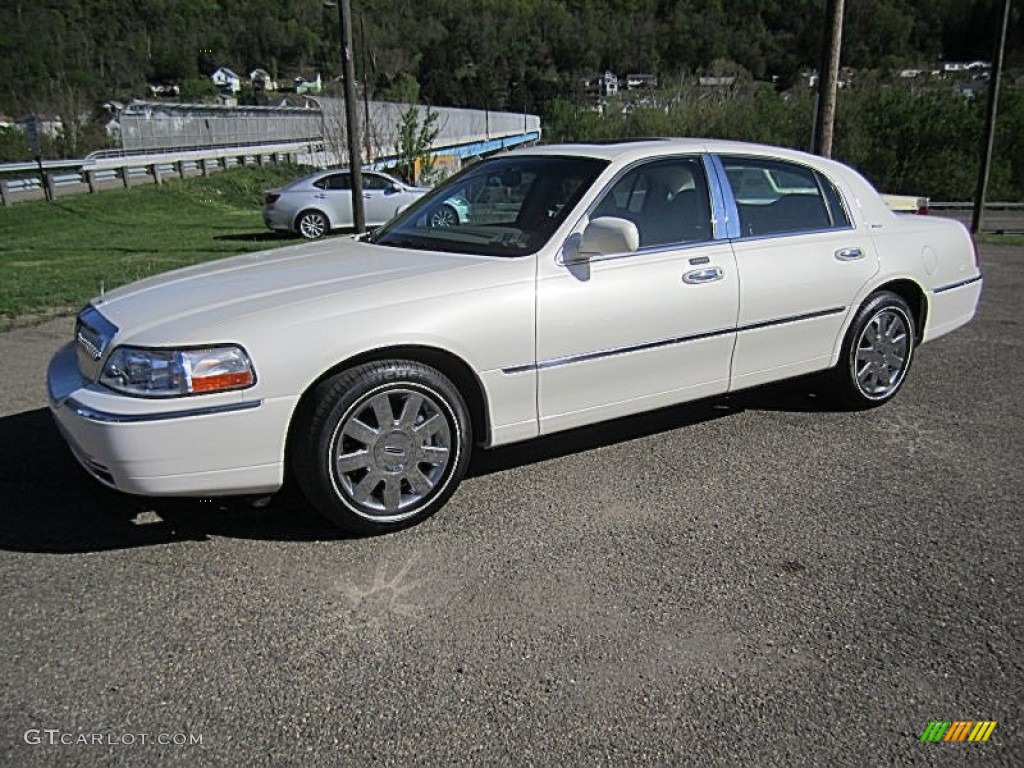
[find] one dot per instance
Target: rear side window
(776, 197)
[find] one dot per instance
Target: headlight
(177, 372)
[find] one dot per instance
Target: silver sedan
(314, 205)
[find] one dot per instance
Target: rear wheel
(312, 224)
(382, 446)
(877, 351)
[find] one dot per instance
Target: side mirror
(396, 187)
(604, 236)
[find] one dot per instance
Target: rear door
(801, 260)
(334, 195)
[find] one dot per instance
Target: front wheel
(444, 216)
(382, 446)
(877, 352)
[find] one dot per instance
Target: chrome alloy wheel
(445, 216)
(312, 225)
(882, 353)
(391, 451)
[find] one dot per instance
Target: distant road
(999, 221)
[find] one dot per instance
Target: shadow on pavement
(50, 504)
(805, 395)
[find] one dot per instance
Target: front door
(381, 200)
(628, 332)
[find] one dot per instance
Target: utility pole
(990, 121)
(367, 125)
(355, 163)
(828, 79)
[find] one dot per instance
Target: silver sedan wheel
(445, 216)
(882, 353)
(312, 225)
(390, 451)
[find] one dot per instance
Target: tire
(382, 446)
(312, 225)
(444, 216)
(877, 352)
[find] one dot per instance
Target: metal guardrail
(105, 171)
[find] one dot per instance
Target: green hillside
(62, 54)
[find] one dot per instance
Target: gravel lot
(753, 580)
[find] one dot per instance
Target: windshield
(507, 206)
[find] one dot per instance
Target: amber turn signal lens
(222, 381)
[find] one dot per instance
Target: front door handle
(849, 254)
(707, 275)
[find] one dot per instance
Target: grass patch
(55, 256)
(993, 239)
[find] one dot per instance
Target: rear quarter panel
(938, 255)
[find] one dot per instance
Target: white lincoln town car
(582, 283)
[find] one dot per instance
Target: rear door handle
(707, 275)
(849, 254)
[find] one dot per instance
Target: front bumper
(214, 445)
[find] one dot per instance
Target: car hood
(172, 307)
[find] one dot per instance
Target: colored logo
(958, 730)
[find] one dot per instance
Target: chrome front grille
(93, 334)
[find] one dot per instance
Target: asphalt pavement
(752, 580)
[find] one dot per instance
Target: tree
(198, 89)
(415, 138)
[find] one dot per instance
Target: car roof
(630, 149)
(309, 178)
(345, 169)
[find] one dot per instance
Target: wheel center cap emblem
(393, 452)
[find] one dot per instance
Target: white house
(722, 81)
(308, 82)
(638, 80)
(262, 81)
(226, 80)
(609, 84)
